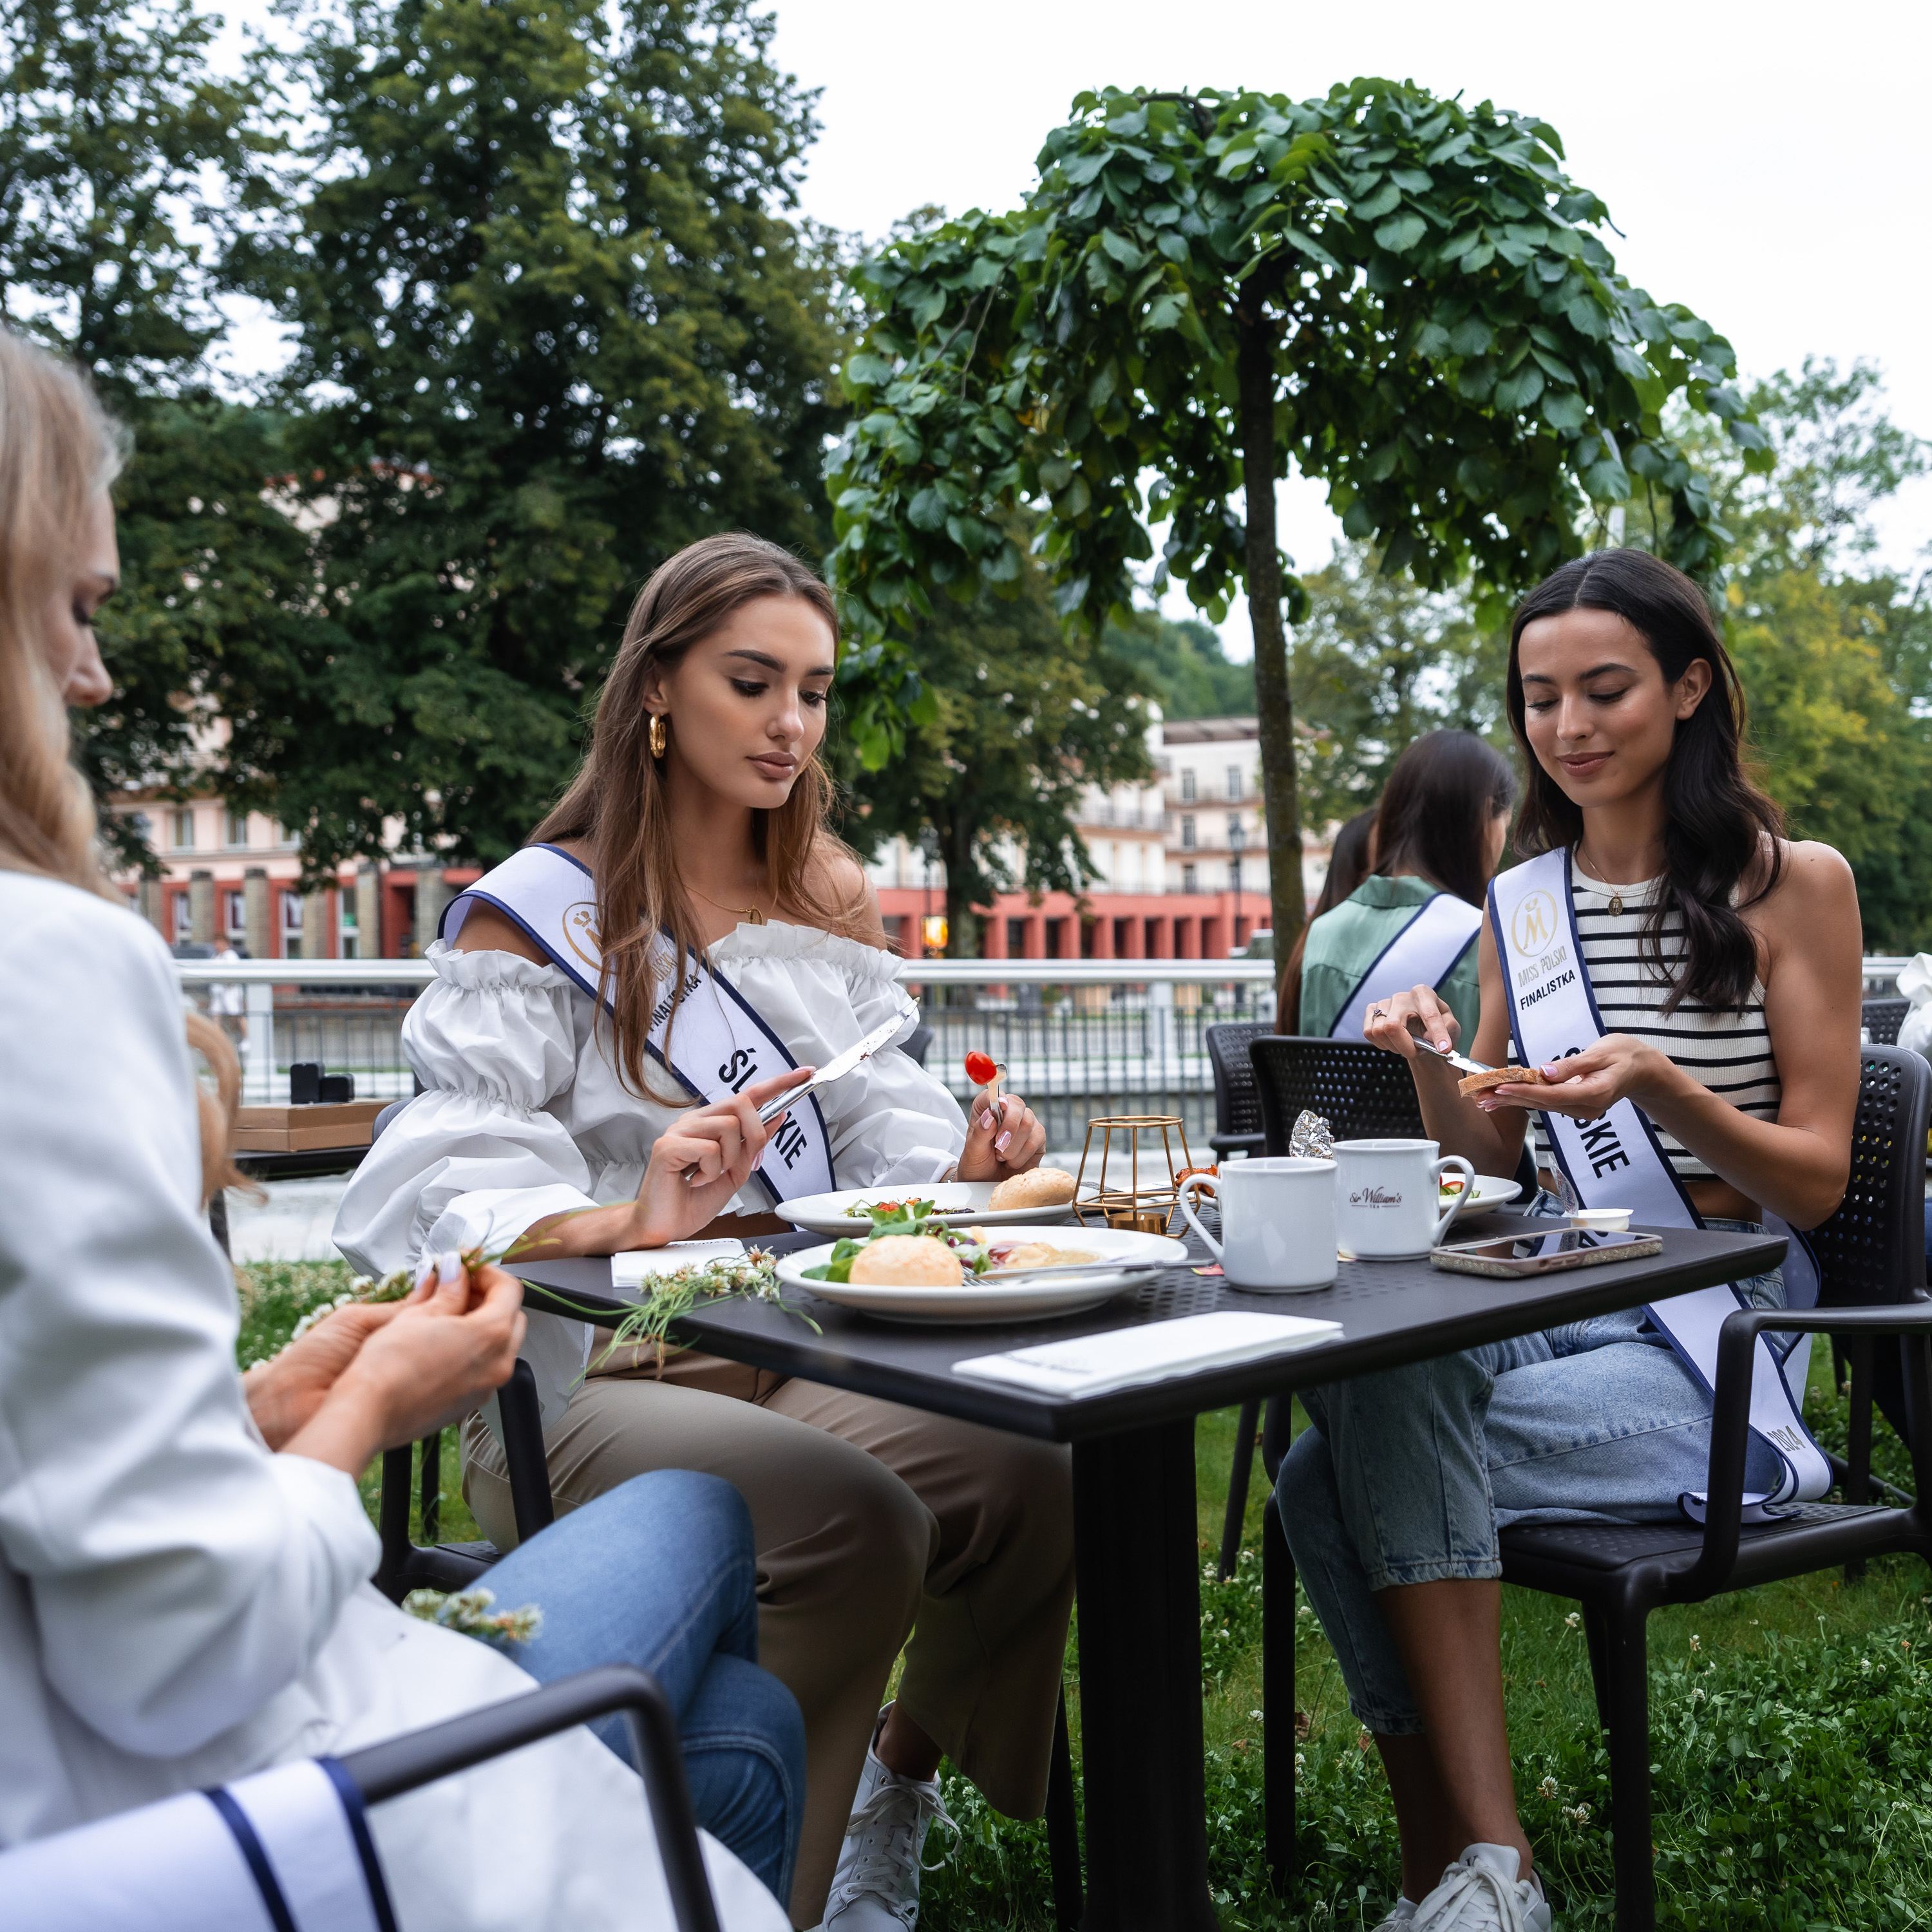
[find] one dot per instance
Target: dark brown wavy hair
(1719, 831)
(616, 804)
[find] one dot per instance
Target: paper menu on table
(1149, 1352)
(631, 1268)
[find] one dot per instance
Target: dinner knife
(841, 1064)
(1461, 1061)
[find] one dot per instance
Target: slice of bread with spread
(1499, 1076)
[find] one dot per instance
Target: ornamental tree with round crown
(1401, 295)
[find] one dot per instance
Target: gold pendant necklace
(1616, 908)
(751, 914)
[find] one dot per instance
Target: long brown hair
(59, 449)
(1441, 796)
(616, 804)
(1719, 829)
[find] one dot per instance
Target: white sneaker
(875, 1884)
(1404, 1914)
(1480, 1892)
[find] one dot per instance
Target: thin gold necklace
(1616, 892)
(750, 913)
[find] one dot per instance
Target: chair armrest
(420, 1757)
(1730, 1415)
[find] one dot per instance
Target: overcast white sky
(1770, 164)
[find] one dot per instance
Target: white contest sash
(286, 1849)
(723, 1046)
(1614, 1161)
(1423, 953)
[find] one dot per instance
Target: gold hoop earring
(659, 736)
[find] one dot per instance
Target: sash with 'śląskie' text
(1614, 1161)
(722, 1045)
(1423, 953)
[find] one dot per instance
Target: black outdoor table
(1135, 1535)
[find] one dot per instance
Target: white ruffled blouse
(525, 1114)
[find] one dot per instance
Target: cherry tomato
(980, 1068)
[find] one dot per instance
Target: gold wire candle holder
(1145, 1204)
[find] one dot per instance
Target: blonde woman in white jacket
(184, 1555)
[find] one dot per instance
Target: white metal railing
(1881, 970)
(1078, 1036)
(913, 972)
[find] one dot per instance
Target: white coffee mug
(1277, 1222)
(1386, 1196)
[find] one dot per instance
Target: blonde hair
(616, 801)
(58, 450)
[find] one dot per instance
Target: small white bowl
(1602, 1220)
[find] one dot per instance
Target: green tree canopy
(1022, 719)
(554, 319)
(127, 162)
(1376, 661)
(1186, 666)
(1403, 295)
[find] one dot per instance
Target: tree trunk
(1255, 375)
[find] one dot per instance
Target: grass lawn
(1791, 1730)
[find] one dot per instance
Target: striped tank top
(1729, 1052)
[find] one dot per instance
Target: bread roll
(1498, 1076)
(1038, 1187)
(906, 1261)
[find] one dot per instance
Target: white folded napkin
(631, 1268)
(1093, 1364)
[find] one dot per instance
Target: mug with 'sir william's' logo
(1386, 1197)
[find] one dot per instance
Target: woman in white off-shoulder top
(701, 809)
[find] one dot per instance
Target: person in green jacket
(1440, 832)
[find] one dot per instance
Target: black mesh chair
(1872, 1257)
(1238, 1107)
(1882, 1018)
(1363, 1093)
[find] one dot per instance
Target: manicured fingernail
(426, 1270)
(986, 1120)
(1001, 1145)
(449, 1268)
(1442, 1046)
(1488, 1106)
(1552, 1072)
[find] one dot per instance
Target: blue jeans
(659, 1572)
(1407, 1476)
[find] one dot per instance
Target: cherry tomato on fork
(980, 1067)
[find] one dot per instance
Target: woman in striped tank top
(1725, 961)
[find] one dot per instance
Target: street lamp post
(1237, 839)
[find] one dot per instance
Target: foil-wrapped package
(1313, 1138)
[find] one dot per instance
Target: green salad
(901, 1217)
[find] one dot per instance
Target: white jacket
(178, 1606)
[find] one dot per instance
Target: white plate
(1030, 1301)
(1486, 1190)
(961, 1203)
